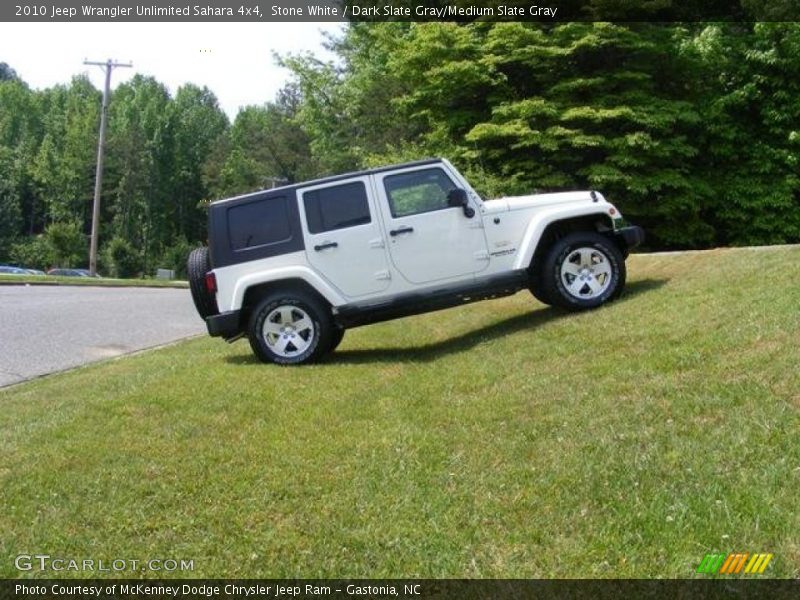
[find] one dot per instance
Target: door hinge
(380, 275)
(481, 255)
(377, 243)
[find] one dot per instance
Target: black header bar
(543, 11)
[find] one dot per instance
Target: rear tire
(290, 328)
(197, 265)
(583, 270)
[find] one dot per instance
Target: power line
(107, 66)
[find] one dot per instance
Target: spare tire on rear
(197, 266)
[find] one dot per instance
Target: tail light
(211, 283)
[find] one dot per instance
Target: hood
(538, 200)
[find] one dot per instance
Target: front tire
(583, 270)
(290, 328)
(536, 287)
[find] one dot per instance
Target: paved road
(44, 329)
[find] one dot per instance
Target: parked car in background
(86, 273)
(9, 270)
(71, 273)
(35, 272)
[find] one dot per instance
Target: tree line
(692, 129)
(166, 157)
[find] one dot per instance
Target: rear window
(336, 207)
(259, 223)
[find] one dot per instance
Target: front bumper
(632, 234)
(224, 324)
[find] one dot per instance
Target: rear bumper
(224, 324)
(632, 234)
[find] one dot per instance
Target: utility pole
(107, 66)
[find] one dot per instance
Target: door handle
(321, 247)
(395, 232)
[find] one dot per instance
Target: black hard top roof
(332, 178)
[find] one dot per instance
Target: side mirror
(458, 197)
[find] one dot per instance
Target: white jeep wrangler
(293, 267)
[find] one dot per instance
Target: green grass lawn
(500, 439)
(6, 279)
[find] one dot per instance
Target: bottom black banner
(405, 589)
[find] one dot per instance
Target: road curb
(178, 286)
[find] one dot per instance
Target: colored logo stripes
(733, 563)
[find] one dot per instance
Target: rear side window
(336, 207)
(259, 223)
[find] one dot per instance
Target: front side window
(417, 192)
(336, 207)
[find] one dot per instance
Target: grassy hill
(501, 439)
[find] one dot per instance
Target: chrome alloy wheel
(288, 331)
(586, 273)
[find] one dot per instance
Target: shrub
(123, 259)
(33, 253)
(174, 257)
(68, 244)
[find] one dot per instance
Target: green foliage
(140, 164)
(123, 259)
(155, 163)
(33, 252)
(690, 128)
(61, 245)
(10, 209)
(348, 109)
(10, 221)
(612, 120)
(266, 147)
(753, 125)
(156, 157)
(197, 123)
(62, 170)
(68, 244)
(174, 257)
